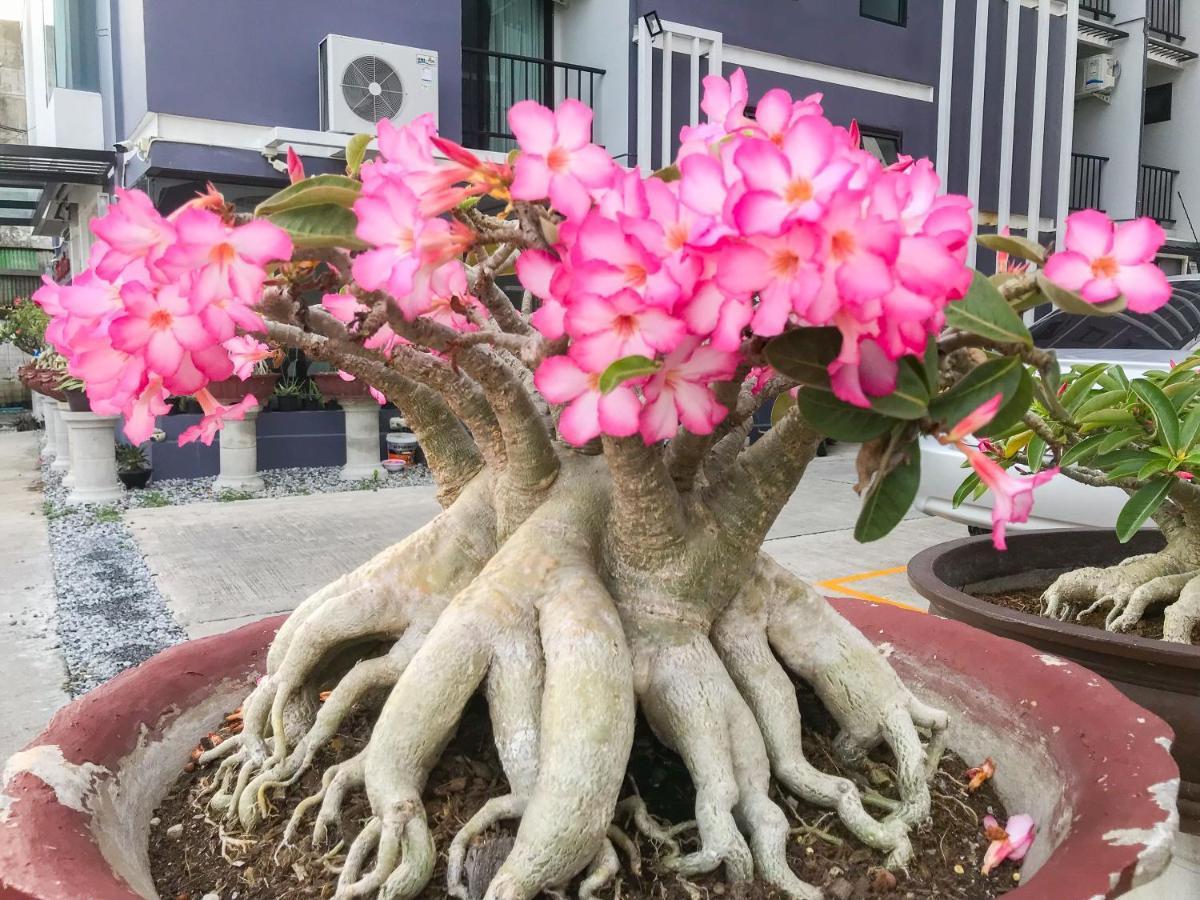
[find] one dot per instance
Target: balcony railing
(1165, 17)
(1156, 193)
(1097, 7)
(1086, 174)
(494, 81)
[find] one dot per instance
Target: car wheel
(976, 531)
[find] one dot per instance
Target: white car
(1137, 343)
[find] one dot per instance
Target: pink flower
(160, 326)
(1102, 261)
(343, 307)
(215, 417)
(973, 420)
(781, 270)
(1010, 842)
(141, 417)
(679, 391)
(1012, 496)
(588, 413)
(244, 352)
(132, 229)
(607, 259)
(295, 167)
(557, 157)
(796, 181)
(226, 261)
(609, 328)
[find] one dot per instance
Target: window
(1158, 104)
(894, 12)
(72, 49)
(885, 146)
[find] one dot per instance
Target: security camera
(123, 146)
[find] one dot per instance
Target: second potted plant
(133, 468)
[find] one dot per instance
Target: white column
(978, 83)
(93, 458)
(1008, 112)
(645, 61)
(362, 440)
(239, 456)
(35, 405)
(1067, 129)
(49, 416)
(1037, 144)
(945, 90)
(62, 440)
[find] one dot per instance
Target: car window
(1173, 327)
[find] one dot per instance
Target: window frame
(1168, 88)
(890, 134)
(902, 22)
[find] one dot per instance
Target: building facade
(181, 93)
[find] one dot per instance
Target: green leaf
(668, 173)
(625, 368)
(781, 407)
(1082, 451)
(984, 311)
(890, 497)
(1012, 412)
(1119, 376)
(1190, 428)
(1068, 301)
(1105, 400)
(320, 226)
(1128, 467)
(932, 365)
(320, 190)
(1141, 506)
(1164, 413)
(996, 376)
(1181, 393)
(1117, 439)
(1081, 385)
(910, 398)
(839, 420)
(1109, 417)
(356, 152)
(1152, 468)
(804, 354)
(1020, 247)
(968, 485)
(1035, 453)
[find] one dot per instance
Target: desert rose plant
(600, 545)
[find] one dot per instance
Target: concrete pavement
(32, 672)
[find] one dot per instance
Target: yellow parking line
(839, 585)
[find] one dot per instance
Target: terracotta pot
(47, 383)
(1090, 766)
(231, 390)
(1164, 677)
(333, 387)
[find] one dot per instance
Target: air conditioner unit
(364, 82)
(1096, 74)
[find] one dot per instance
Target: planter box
(1085, 762)
(1164, 677)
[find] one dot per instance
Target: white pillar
(239, 456)
(362, 440)
(49, 415)
(93, 458)
(35, 405)
(62, 440)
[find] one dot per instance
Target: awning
(29, 177)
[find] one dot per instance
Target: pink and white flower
(558, 159)
(1012, 496)
(589, 413)
(680, 391)
(1012, 841)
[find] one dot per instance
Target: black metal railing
(1097, 7)
(1165, 17)
(1156, 193)
(1086, 174)
(494, 81)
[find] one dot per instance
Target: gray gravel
(110, 613)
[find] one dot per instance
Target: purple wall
(256, 62)
(823, 31)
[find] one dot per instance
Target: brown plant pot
(1073, 752)
(1162, 676)
(77, 400)
(47, 383)
(232, 390)
(333, 387)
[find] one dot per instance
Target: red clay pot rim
(48, 852)
(925, 580)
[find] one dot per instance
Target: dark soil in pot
(77, 401)
(949, 850)
(136, 479)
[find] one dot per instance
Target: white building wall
(596, 33)
(56, 117)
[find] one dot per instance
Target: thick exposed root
(1128, 590)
